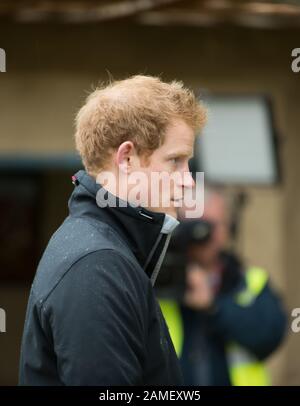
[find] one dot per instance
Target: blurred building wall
(51, 68)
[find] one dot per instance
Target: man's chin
(172, 211)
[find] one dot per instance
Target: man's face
(167, 170)
(158, 182)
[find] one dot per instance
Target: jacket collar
(146, 233)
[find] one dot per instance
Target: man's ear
(125, 155)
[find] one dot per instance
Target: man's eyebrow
(187, 154)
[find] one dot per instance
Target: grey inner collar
(170, 223)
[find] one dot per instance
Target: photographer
(228, 319)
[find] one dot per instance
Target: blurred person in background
(230, 319)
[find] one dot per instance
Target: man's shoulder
(82, 249)
(102, 272)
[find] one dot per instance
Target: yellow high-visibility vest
(172, 314)
(244, 368)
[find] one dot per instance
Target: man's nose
(188, 181)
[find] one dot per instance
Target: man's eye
(174, 160)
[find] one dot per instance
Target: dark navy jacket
(92, 317)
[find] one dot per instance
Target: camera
(170, 283)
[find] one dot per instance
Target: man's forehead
(179, 140)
